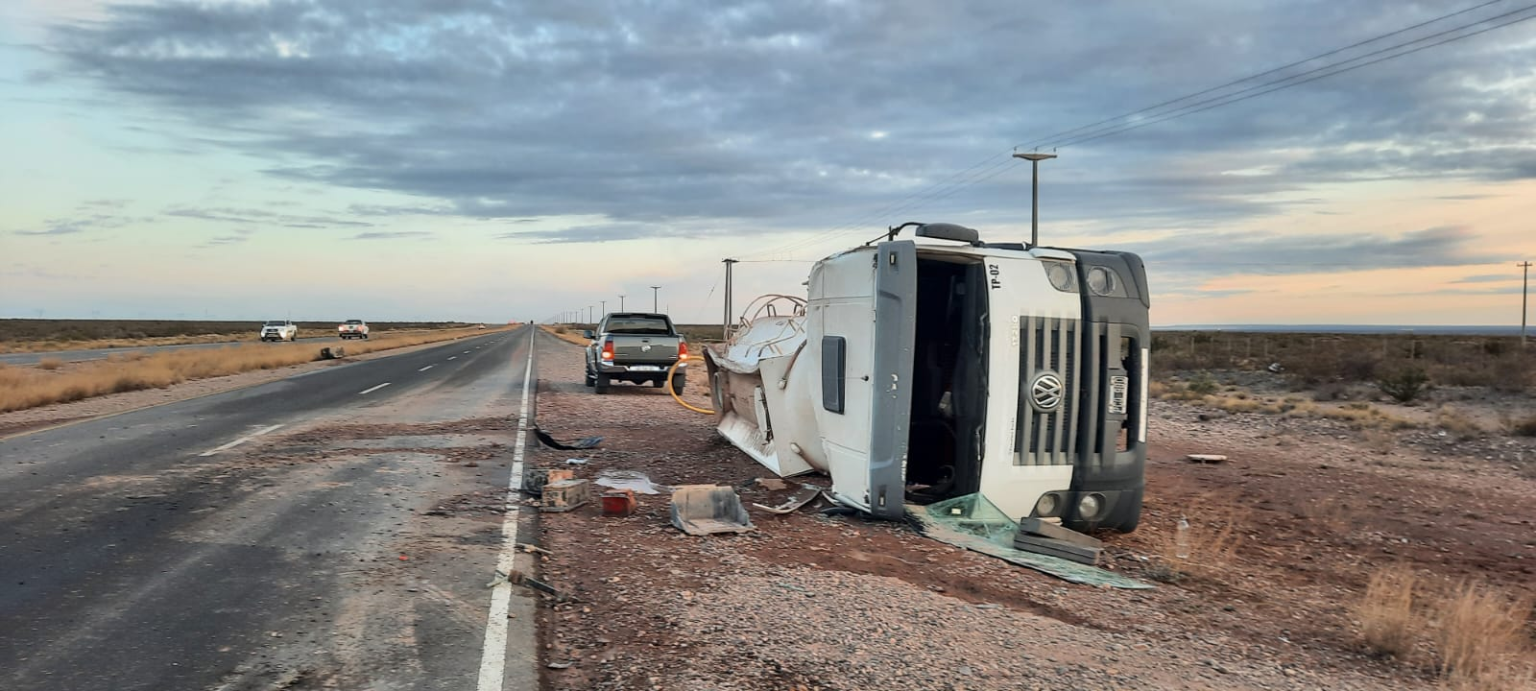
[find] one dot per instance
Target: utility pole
(726, 324)
(1525, 290)
(1034, 193)
(621, 303)
(605, 308)
(654, 293)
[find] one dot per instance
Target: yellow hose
(680, 400)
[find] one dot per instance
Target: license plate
(1119, 391)
(644, 368)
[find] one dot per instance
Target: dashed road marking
(372, 389)
(426, 368)
(239, 441)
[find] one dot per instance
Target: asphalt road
(272, 537)
(102, 353)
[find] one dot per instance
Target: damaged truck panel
(920, 373)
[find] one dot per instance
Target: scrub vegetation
(29, 387)
(43, 335)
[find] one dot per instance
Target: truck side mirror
(587, 334)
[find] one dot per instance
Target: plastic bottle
(1181, 539)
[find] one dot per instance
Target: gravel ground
(810, 601)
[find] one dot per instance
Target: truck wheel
(591, 380)
(658, 383)
(678, 382)
(600, 385)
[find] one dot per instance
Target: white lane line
(493, 657)
(454, 357)
(466, 352)
(239, 441)
(426, 368)
(373, 389)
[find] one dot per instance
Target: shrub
(1359, 367)
(50, 363)
(1404, 385)
(1389, 625)
(1203, 384)
(1481, 638)
(1523, 427)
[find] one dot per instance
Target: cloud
(1487, 278)
(757, 116)
(263, 217)
(391, 235)
(1208, 254)
(82, 223)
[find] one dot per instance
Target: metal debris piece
(575, 461)
(709, 509)
(800, 498)
(1205, 458)
(332, 353)
(532, 548)
(618, 502)
(584, 443)
(771, 484)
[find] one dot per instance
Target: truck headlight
(1061, 277)
(1048, 504)
(1102, 281)
(1089, 505)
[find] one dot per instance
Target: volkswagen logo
(1046, 391)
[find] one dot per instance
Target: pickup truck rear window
(638, 325)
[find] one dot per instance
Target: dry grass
(1473, 635)
(566, 334)
(28, 388)
(50, 363)
(1481, 639)
(1458, 423)
(1525, 427)
(1212, 543)
(1390, 624)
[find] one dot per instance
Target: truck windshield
(354, 321)
(275, 323)
(638, 325)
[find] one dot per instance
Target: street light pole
(605, 308)
(1525, 290)
(726, 323)
(654, 293)
(1034, 192)
(621, 303)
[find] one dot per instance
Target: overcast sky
(493, 160)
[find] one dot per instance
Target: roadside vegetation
(1466, 386)
(30, 387)
(44, 335)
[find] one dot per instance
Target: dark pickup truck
(635, 347)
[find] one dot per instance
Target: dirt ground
(1306, 510)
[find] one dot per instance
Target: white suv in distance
(279, 330)
(354, 328)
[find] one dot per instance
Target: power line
(952, 184)
(1249, 78)
(1277, 85)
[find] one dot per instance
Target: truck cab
(932, 371)
(279, 330)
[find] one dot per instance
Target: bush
(1525, 427)
(1389, 624)
(1404, 385)
(1203, 384)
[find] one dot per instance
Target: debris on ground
(631, 480)
(1205, 458)
(576, 461)
(566, 495)
(534, 479)
(800, 498)
(583, 443)
(974, 523)
(709, 509)
(618, 502)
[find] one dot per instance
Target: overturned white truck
(915, 373)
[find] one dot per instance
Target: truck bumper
(638, 372)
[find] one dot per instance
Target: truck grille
(1047, 435)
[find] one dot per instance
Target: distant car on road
(354, 328)
(279, 330)
(635, 347)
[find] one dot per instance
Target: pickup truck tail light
(682, 350)
(607, 350)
